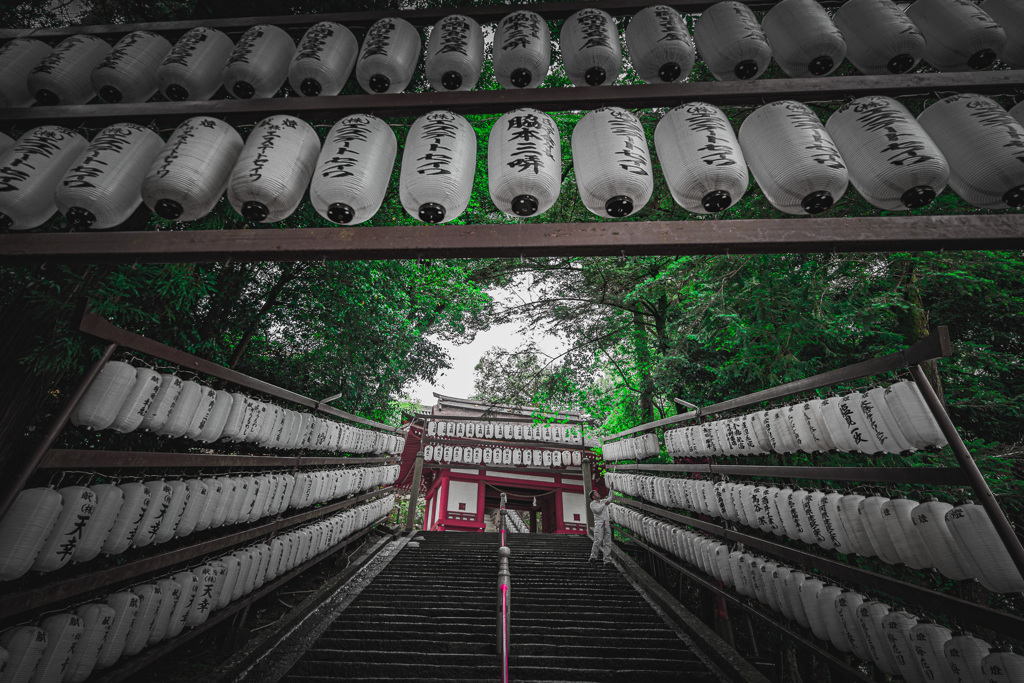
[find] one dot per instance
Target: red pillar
(481, 488)
(442, 500)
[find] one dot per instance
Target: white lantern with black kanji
(102, 401)
(24, 646)
(62, 77)
(17, 58)
(258, 65)
(979, 542)
(274, 168)
(191, 172)
(731, 42)
(701, 158)
(524, 162)
(128, 72)
(522, 50)
(660, 46)
(194, 68)
(324, 60)
(1002, 666)
(880, 37)
(612, 162)
(25, 527)
(793, 158)
(892, 161)
(135, 501)
(591, 52)
(97, 619)
(59, 547)
(982, 144)
(959, 35)
(455, 54)
(438, 164)
(353, 170)
(1010, 15)
(388, 56)
(29, 173)
(804, 40)
(104, 185)
(109, 500)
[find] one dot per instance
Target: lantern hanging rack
(719, 93)
(936, 476)
(502, 443)
(63, 458)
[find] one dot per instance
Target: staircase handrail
(504, 595)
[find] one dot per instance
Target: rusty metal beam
(932, 476)
(756, 236)
(72, 458)
(330, 109)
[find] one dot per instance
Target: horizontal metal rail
(459, 440)
(570, 416)
(16, 604)
(901, 591)
(749, 236)
(935, 345)
(549, 471)
(100, 327)
(935, 476)
(645, 96)
(72, 458)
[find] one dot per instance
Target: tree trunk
(643, 368)
(913, 322)
(287, 275)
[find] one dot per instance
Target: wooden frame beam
(786, 235)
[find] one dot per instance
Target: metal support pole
(414, 491)
(587, 488)
(28, 466)
(974, 476)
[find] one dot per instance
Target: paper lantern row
(876, 36)
(45, 529)
(958, 541)
(507, 431)
(68, 646)
(125, 398)
(514, 457)
(896, 641)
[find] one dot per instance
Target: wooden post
(414, 491)
(587, 488)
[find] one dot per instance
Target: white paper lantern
(870, 615)
(194, 68)
(128, 72)
(109, 499)
(201, 415)
(896, 627)
(25, 527)
(880, 37)
(911, 547)
(915, 420)
(136, 499)
(388, 57)
(17, 58)
(62, 77)
(160, 408)
(874, 526)
(882, 421)
(203, 604)
(198, 497)
(959, 36)
(978, 540)
(258, 65)
(731, 42)
(612, 162)
(524, 162)
(29, 173)
(522, 50)
(455, 54)
(159, 500)
(701, 158)
(793, 158)
(138, 401)
(846, 605)
(929, 519)
(183, 410)
(816, 422)
(191, 172)
(964, 655)
(170, 593)
(1009, 14)
(323, 60)
(150, 597)
(926, 644)
(61, 542)
(438, 164)
(803, 38)
(126, 607)
(893, 162)
(274, 168)
(104, 398)
(591, 53)
(217, 417)
(97, 619)
(25, 646)
(660, 46)
(353, 169)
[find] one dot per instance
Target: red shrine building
(473, 452)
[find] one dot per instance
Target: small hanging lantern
(660, 46)
(17, 58)
(79, 506)
(896, 628)
(731, 42)
(258, 65)
(128, 72)
(927, 641)
(388, 56)
(97, 619)
(198, 498)
(455, 54)
(104, 186)
(126, 606)
(793, 158)
(612, 161)
(870, 615)
(978, 540)
(324, 60)
(880, 37)
(524, 162)
(191, 172)
(24, 646)
(184, 409)
(274, 168)
(1009, 14)
(109, 499)
(435, 186)
(24, 529)
(804, 40)
(1002, 666)
(103, 399)
(979, 140)
(140, 398)
(916, 421)
(62, 77)
(150, 598)
(522, 50)
(882, 420)
(908, 542)
(194, 69)
(870, 510)
(122, 533)
(959, 35)
(171, 591)
(965, 653)
(29, 173)
(929, 519)
(591, 52)
(847, 604)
